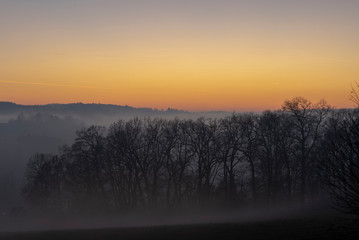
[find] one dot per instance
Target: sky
(187, 54)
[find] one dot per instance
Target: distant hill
(82, 109)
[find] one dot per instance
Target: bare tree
(230, 141)
(354, 96)
(125, 146)
(308, 118)
(85, 166)
(250, 147)
(44, 183)
(202, 138)
(340, 160)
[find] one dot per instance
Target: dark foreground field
(300, 228)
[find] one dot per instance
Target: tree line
(297, 153)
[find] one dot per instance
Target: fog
(21, 137)
(102, 166)
(24, 133)
(26, 130)
(185, 216)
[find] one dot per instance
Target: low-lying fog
(160, 170)
(242, 214)
(26, 130)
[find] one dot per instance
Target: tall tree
(340, 160)
(307, 118)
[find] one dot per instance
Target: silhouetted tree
(229, 155)
(354, 96)
(270, 153)
(124, 150)
(144, 164)
(44, 183)
(341, 160)
(86, 177)
(250, 147)
(308, 118)
(180, 182)
(203, 143)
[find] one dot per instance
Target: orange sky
(208, 55)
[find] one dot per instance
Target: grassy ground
(299, 228)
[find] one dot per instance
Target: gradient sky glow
(186, 54)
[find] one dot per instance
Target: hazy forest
(179, 119)
(303, 153)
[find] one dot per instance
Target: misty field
(338, 227)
